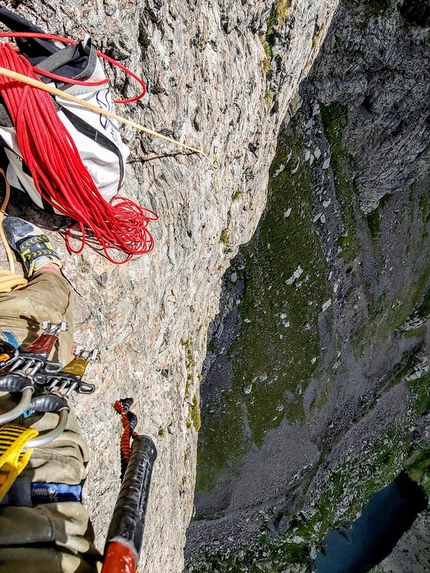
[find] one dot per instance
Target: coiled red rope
(58, 173)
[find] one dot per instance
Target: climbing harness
(44, 387)
(13, 459)
(125, 533)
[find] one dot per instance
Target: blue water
(389, 513)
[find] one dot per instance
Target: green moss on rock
(277, 351)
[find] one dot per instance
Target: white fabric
(102, 164)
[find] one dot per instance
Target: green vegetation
(275, 23)
(370, 9)
(424, 309)
(394, 312)
(195, 414)
(317, 34)
(279, 13)
(236, 195)
(425, 208)
(374, 218)
(363, 477)
(278, 350)
(417, 463)
(267, 96)
(334, 119)
(374, 8)
(417, 466)
(268, 50)
(189, 364)
(379, 5)
(277, 353)
(373, 221)
(276, 20)
(269, 557)
(224, 237)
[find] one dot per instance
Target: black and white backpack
(96, 137)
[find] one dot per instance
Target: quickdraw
(21, 370)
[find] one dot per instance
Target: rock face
(317, 373)
(370, 66)
(221, 76)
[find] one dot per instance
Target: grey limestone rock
(220, 77)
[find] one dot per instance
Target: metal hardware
(69, 379)
(16, 382)
(49, 403)
(35, 357)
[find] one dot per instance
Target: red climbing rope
(56, 38)
(58, 173)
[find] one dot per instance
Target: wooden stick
(64, 95)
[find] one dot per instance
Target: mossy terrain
(417, 462)
(390, 310)
(335, 119)
(259, 356)
(278, 348)
(276, 353)
(353, 478)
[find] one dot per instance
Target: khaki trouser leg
(51, 537)
(47, 297)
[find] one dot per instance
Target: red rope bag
(59, 174)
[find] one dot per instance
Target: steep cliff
(220, 77)
(317, 373)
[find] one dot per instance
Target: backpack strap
(76, 62)
(33, 48)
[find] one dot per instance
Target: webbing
(13, 460)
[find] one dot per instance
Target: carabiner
(49, 403)
(16, 382)
(8, 353)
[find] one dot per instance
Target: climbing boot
(31, 244)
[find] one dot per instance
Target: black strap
(32, 48)
(76, 62)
